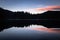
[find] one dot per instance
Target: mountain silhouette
(52, 14)
(26, 15)
(50, 19)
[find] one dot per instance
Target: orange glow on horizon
(48, 8)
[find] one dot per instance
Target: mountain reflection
(31, 32)
(38, 28)
(26, 23)
(42, 28)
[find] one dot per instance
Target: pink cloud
(48, 8)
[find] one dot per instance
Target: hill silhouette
(26, 15)
(50, 19)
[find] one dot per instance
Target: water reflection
(35, 32)
(48, 30)
(42, 28)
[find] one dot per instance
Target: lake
(32, 32)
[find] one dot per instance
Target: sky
(33, 6)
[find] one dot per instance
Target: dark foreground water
(29, 33)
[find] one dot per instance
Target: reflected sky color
(48, 30)
(29, 5)
(42, 28)
(30, 32)
(36, 28)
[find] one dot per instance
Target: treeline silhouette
(49, 19)
(26, 15)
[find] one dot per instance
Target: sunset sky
(33, 6)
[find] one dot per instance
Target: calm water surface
(36, 32)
